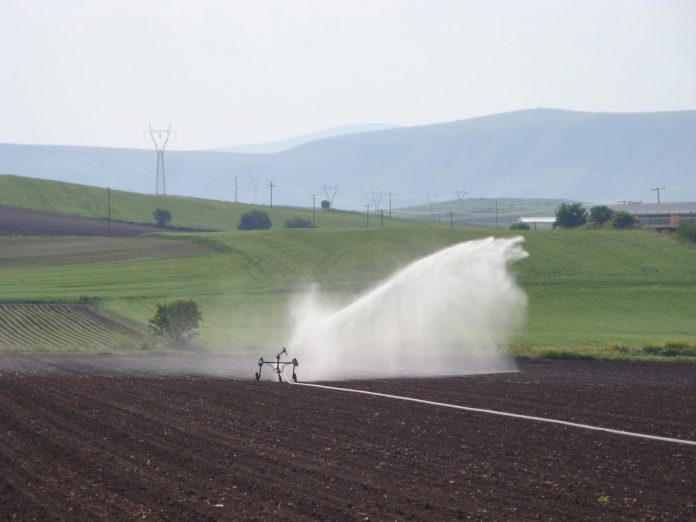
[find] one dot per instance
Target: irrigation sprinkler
(278, 366)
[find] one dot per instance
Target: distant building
(659, 216)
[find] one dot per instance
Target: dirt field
(25, 221)
(87, 438)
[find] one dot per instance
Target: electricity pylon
(160, 138)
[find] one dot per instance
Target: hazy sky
(225, 72)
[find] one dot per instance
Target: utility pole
(382, 216)
(271, 185)
(367, 206)
(235, 189)
(390, 195)
(314, 207)
(108, 205)
(658, 189)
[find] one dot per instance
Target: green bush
(686, 231)
(600, 214)
(298, 222)
(162, 217)
(623, 220)
(176, 320)
(254, 220)
(520, 226)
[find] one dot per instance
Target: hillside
(539, 153)
(82, 200)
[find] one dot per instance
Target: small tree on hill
(570, 215)
(601, 214)
(254, 220)
(162, 217)
(623, 220)
(298, 222)
(176, 320)
(325, 204)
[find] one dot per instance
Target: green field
(588, 290)
(81, 200)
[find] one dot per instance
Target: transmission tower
(376, 196)
(330, 192)
(160, 137)
(460, 193)
(432, 201)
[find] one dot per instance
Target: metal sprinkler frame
(278, 366)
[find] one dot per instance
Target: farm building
(660, 216)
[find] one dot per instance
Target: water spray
(450, 313)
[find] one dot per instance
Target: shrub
(570, 215)
(298, 222)
(686, 231)
(520, 226)
(600, 214)
(162, 217)
(623, 220)
(177, 320)
(254, 220)
(325, 204)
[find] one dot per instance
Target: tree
(325, 204)
(570, 215)
(254, 220)
(600, 214)
(686, 231)
(520, 226)
(176, 320)
(623, 220)
(162, 217)
(298, 222)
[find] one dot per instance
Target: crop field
(593, 291)
(57, 328)
(93, 437)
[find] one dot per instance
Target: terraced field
(56, 328)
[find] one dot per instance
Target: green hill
(82, 200)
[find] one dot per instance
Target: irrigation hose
(502, 414)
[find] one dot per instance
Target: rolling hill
(540, 153)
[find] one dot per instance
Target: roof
(688, 207)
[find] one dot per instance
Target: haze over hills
(539, 153)
(281, 145)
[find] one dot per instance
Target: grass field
(594, 291)
(81, 200)
(591, 291)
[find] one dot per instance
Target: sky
(229, 72)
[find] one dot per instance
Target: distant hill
(281, 145)
(539, 153)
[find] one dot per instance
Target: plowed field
(85, 438)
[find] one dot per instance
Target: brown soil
(97, 438)
(24, 221)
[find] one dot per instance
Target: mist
(450, 313)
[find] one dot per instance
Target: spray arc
(450, 313)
